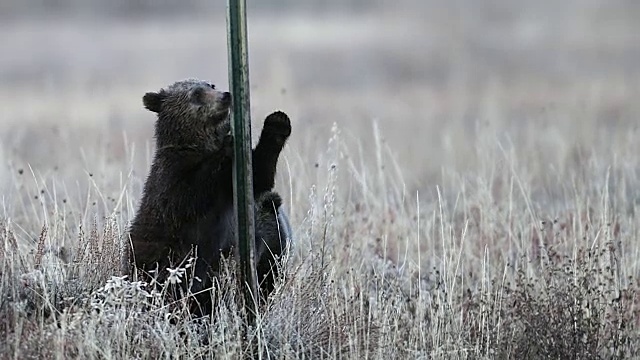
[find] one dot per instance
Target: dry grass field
(463, 180)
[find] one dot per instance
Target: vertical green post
(241, 128)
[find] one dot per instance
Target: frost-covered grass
(376, 272)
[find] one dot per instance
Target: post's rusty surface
(241, 128)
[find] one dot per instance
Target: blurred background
(549, 80)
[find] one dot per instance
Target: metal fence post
(242, 166)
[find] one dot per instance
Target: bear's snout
(225, 98)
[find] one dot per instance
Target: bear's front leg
(275, 132)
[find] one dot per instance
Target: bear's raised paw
(277, 123)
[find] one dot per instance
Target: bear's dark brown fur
(188, 196)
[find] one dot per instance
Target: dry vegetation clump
(573, 307)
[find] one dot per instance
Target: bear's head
(190, 113)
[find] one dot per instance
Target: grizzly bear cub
(187, 200)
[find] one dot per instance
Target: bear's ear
(153, 101)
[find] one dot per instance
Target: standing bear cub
(187, 200)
